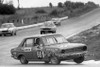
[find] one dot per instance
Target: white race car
(48, 27)
(56, 21)
(8, 28)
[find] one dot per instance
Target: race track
(68, 28)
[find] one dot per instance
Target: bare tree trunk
(18, 4)
(1, 1)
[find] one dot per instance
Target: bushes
(60, 4)
(54, 13)
(7, 9)
(40, 11)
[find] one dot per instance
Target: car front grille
(46, 29)
(5, 31)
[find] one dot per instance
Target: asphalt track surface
(68, 28)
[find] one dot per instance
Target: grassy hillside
(91, 38)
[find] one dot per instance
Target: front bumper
(13, 56)
(68, 56)
(51, 30)
(6, 32)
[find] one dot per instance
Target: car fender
(50, 52)
(19, 55)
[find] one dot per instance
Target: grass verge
(91, 38)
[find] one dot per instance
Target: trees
(60, 4)
(40, 11)
(1, 1)
(18, 4)
(6, 9)
(91, 4)
(50, 5)
(54, 12)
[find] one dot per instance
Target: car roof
(43, 35)
(48, 22)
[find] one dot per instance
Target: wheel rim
(23, 60)
(46, 61)
(54, 60)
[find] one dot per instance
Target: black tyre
(79, 60)
(12, 34)
(54, 60)
(46, 62)
(15, 33)
(0, 34)
(41, 32)
(53, 31)
(4, 34)
(23, 60)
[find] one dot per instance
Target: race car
(8, 28)
(48, 27)
(56, 21)
(50, 48)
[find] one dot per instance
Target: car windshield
(60, 39)
(55, 40)
(50, 41)
(7, 25)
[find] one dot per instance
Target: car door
(27, 48)
(38, 49)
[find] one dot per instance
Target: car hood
(2, 29)
(66, 45)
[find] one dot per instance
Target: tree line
(72, 6)
(7, 9)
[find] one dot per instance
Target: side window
(38, 42)
(28, 43)
(60, 39)
(50, 40)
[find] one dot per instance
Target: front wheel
(23, 60)
(79, 60)
(12, 33)
(54, 60)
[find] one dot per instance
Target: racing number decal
(40, 54)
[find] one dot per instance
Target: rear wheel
(53, 31)
(41, 32)
(0, 34)
(15, 33)
(79, 60)
(46, 62)
(23, 60)
(54, 60)
(59, 24)
(4, 34)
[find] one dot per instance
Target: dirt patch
(91, 38)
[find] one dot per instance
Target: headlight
(84, 48)
(14, 53)
(62, 51)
